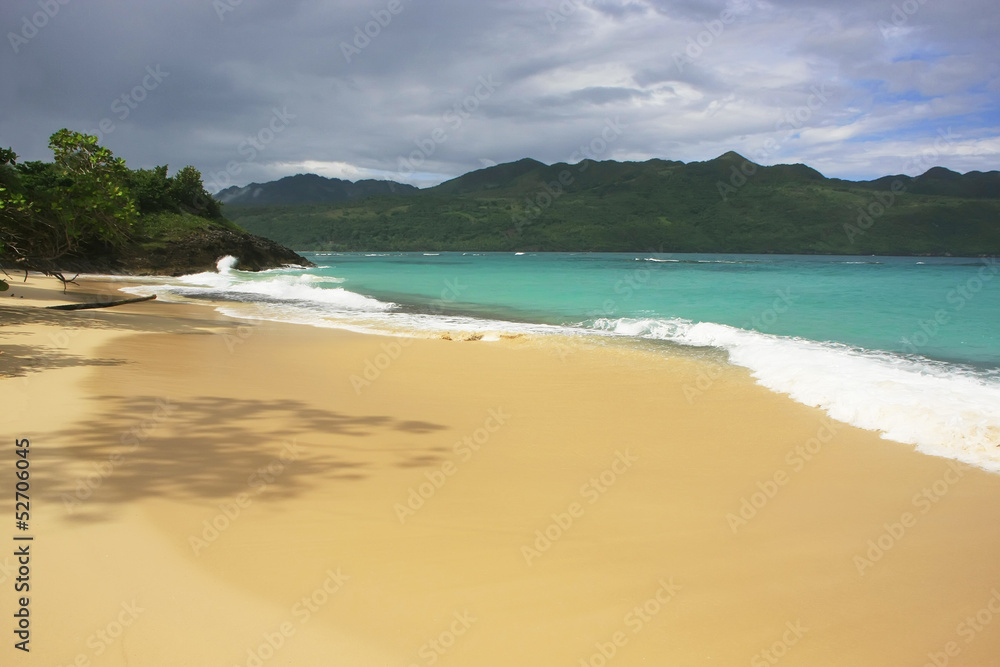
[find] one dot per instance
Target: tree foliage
(85, 202)
(187, 191)
(74, 203)
(150, 188)
(155, 192)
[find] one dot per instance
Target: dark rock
(195, 253)
(203, 249)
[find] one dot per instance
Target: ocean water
(908, 347)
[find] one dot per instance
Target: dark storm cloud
(422, 91)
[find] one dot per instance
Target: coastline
(260, 424)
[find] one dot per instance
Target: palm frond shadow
(213, 448)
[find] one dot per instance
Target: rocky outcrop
(196, 252)
(201, 250)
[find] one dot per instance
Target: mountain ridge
(727, 204)
(308, 189)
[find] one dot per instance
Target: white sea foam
(229, 283)
(942, 409)
(290, 290)
(303, 299)
(389, 323)
(226, 264)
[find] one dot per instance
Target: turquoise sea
(909, 347)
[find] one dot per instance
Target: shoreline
(472, 492)
(647, 251)
(886, 390)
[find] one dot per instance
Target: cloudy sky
(424, 90)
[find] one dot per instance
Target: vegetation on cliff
(87, 211)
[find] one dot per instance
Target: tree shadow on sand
(20, 360)
(114, 319)
(211, 449)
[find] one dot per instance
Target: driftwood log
(102, 304)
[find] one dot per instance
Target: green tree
(11, 202)
(187, 189)
(78, 203)
(97, 206)
(151, 190)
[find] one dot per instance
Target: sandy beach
(212, 491)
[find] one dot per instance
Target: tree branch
(103, 304)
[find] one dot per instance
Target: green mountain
(728, 204)
(309, 189)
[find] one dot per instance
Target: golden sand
(206, 491)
